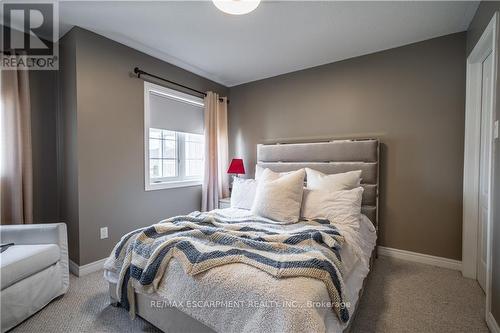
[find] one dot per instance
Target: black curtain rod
(140, 72)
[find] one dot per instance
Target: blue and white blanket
(201, 241)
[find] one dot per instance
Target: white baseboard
(492, 323)
(420, 258)
(86, 269)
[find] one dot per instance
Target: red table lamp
(236, 167)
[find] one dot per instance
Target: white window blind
(175, 114)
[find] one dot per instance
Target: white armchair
(34, 270)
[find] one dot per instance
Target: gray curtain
(215, 180)
(16, 160)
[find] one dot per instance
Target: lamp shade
(236, 166)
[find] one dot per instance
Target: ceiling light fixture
(236, 7)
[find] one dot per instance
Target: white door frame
(488, 43)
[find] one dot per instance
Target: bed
(296, 301)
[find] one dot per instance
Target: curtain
(15, 148)
(215, 180)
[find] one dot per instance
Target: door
(485, 168)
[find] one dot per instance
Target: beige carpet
(400, 297)
(408, 297)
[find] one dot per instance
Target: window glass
(194, 155)
(175, 156)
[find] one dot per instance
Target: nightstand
(225, 203)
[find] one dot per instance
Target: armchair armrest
(24, 234)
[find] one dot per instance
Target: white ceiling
(277, 38)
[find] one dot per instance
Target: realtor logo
(27, 33)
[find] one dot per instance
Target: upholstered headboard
(330, 157)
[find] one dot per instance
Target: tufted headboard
(330, 157)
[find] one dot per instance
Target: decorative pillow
(338, 207)
(259, 170)
(279, 197)
(336, 182)
(243, 193)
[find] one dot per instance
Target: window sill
(175, 184)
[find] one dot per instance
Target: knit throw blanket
(201, 241)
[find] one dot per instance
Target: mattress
(241, 298)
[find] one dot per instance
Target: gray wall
(411, 97)
(44, 105)
(109, 143)
(67, 144)
(481, 19)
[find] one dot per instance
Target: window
(174, 141)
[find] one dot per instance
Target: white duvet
(241, 298)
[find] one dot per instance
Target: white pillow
(259, 170)
(279, 197)
(342, 207)
(243, 193)
(336, 182)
